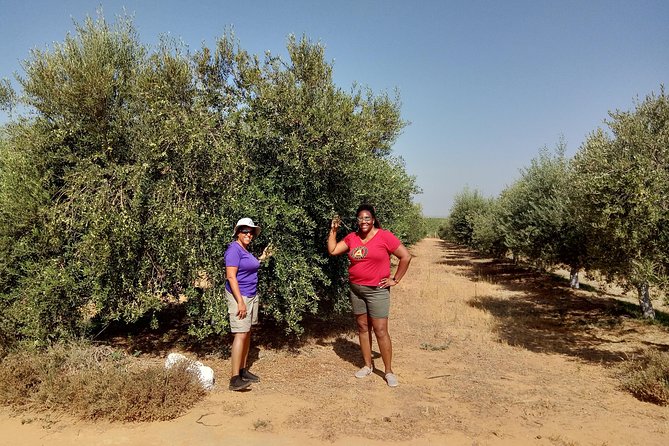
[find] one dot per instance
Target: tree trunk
(644, 301)
(573, 278)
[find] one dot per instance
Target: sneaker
(365, 371)
(391, 379)
(237, 383)
(248, 376)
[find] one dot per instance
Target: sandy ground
(486, 354)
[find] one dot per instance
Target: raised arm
(267, 252)
(334, 248)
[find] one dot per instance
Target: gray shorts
(238, 325)
(371, 300)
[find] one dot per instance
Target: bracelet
(395, 280)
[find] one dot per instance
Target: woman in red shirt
(369, 252)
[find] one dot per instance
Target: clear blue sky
(485, 84)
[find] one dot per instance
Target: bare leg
(365, 336)
(247, 348)
(383, 339)
(239, 344)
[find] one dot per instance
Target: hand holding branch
(267, 252)
(336, 222)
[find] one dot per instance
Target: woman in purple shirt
(241, 272)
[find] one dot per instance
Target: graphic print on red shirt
(359, 253)
(370, 262)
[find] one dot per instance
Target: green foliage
(434, 226)
(395, 209)
(535, 215)
(313, 150)
(473, 221)
(487, 234)
(622, 185)
(467, 205)
(444, 231)
(534, 218)
(124, 186)
(606, 209)
(7, 95)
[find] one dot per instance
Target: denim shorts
(372, 300)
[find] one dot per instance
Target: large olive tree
(122, 184)
(537, 214)
(622, 186)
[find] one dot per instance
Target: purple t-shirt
(247, 269)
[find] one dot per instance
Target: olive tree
(487, 230)
(537, 214)
(120, 188)
(310, 151)
(621, 183)
(7, 95)
(467, 204)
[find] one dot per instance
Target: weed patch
(433, 347)
(647, 377)
(96, 383)
(262, 425)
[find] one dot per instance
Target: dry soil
(486, 354)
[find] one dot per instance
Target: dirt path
(485, 355)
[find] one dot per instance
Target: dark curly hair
(369, 208)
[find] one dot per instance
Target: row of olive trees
(606, 209)
(120, 188)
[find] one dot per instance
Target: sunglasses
(365, 219)
(247, 231)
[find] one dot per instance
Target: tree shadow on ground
(171, 334)
(349, 351)
(547, 316)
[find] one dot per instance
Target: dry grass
(538, 312)
(647, 377)
(96, 383)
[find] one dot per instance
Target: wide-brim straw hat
(247, 222)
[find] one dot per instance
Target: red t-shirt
(370, 262)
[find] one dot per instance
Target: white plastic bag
(204, 374)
